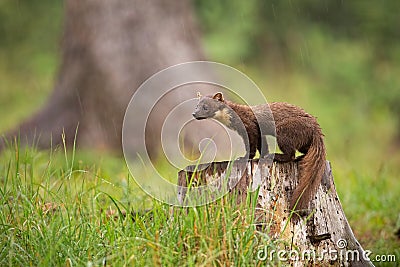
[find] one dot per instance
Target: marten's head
(212, 107)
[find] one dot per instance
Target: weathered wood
(323, 230)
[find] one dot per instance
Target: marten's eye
(205, 107)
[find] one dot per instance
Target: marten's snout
(197, 116)
(199, 112)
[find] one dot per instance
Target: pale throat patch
(223, 116)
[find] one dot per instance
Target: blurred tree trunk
(108, 49)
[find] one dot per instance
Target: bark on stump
(324, 231)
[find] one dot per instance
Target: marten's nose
(193, 114)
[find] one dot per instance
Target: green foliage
(228, 37)
(259, 24)
(30, 32)
(30, 36)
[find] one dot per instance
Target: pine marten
(294, 130)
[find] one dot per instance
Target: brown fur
(295, 130)
(298, 130)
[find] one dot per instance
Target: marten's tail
(312, 168)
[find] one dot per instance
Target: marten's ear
(218, 96)
(199, 95)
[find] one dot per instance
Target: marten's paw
(244, 158)
(299, 158)
(268, 156)
(283, 158)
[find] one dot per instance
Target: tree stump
(322, 237)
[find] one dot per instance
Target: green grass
(65, 210)
(54, 214)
